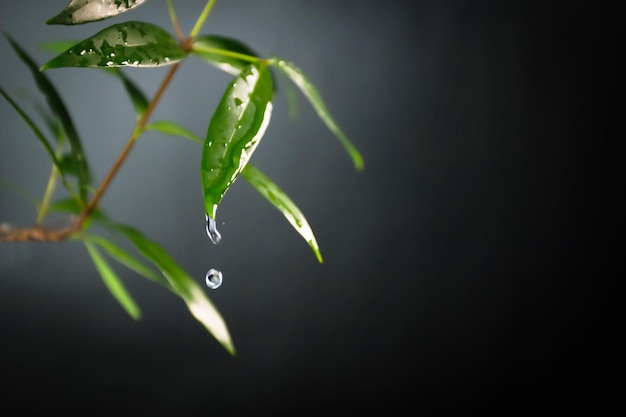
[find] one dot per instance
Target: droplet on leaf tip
(211, 230)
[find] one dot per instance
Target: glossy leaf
(227, 54)
(311, 93)
(170, 128)
(234, 132)
(84, 11)
(283, 203)
(42, 139)
(137, 97)
(199, 305)
(57, 46)
(60, 111)
(113, 282)
(134, 44)
(125, 258)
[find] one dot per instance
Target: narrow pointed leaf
(113, 282)
(57, 46)
(53, 125)
(170, 128)
(198, 303)
(84, 11)
(235, 130)
(68, 165)
(71, 206)
(58, 108)
(311, 93)
(137, 97)
(50, 120)
(283, 203)
(128, 44)
(128, 260)
(227, 54)
(42, 139)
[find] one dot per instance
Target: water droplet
(213, 278)
(211, 230)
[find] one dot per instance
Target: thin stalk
(225, 52)
(174, 19)
(50, 187)
(47, 196)
(201, 19)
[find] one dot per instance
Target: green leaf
(137, 97)
(42, 139)
(311, 93)
(128, 260)
(57, 46)
(170, 128)
(128, 44)
(50, 120)
(199, 305)
(58, 108)
(283, 203)
(84, 11)
(234, 132)
(227, 54)
(66, 163)
(71, 206)
(113, 283)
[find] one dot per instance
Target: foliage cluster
(235, 130)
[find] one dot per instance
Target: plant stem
(47, 196)
(201, 19)
(174, 19)
(231, 54)
(93, 203)
(50, 187)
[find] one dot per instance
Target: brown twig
(39, 233)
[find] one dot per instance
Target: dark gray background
(449, 279)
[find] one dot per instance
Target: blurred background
(448, 280)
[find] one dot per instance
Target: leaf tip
(358, 162)
(230, 348)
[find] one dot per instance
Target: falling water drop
(213, 278)
(211, 230)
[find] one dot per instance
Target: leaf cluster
(235, 130)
